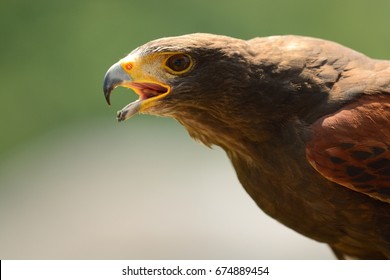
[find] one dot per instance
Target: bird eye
(178, 63)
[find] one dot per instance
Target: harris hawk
(304, 121)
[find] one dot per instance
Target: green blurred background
(63, 156)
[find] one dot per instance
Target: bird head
(175, 76)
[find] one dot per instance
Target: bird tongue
(129, 111)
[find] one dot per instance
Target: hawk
(304, 121)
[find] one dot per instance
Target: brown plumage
(305, 122)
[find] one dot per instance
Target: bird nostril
(128, 66)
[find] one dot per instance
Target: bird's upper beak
(114, 77)
(126, 74)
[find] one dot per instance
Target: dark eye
(179, 62)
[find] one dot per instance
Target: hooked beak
(114, 77)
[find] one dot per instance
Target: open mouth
(147, 90)
(148, 93)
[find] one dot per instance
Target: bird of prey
(304, 121)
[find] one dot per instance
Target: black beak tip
(107, 94)
(107, 88)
